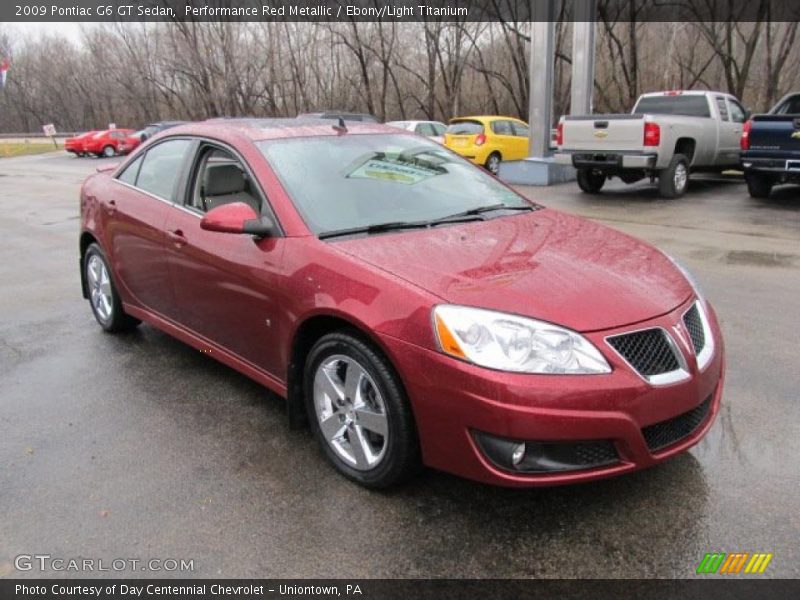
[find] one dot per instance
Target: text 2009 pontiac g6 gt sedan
(414, 308)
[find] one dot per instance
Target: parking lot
(137, 446)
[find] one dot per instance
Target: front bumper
(606, 161)
(454, 400)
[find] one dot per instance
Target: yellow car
(488, 140)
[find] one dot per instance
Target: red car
(411, 306)
(75, 144)
(106, 143)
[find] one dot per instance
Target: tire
(493, 163)
(759, 185)
(108, 151)
(346, 380)
(674, 180)
(591, 181)
(103, 297)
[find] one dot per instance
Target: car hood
(545, 264)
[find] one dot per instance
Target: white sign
(112, 125)
(49, 130)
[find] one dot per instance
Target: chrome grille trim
(666, 378)
(706, 352)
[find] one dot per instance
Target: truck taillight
(744, 142)
(560, 133)
(480, 140)
(652, 134)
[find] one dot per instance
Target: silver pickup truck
(666, 136)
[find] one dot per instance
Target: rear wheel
(674, 180)
(359, 413)
(103, 296)
(759, 185)
(108, 151)
(591, 181)
(493, 163)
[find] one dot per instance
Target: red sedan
(75, 144)
(106, 143)
(410, 306)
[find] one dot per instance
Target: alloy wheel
(351, 412)
(100, 288)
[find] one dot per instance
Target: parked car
(488, 140)
(432, 129)
(414, 308)
(106, 143)
(667, 136)
(771, 147)
(74, 145)
(340, 114)
(131, 142)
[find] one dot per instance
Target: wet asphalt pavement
(137, 446)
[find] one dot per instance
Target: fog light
(543, 457)
(518, 454)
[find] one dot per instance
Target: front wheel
(759, 185)
(674, 180)
(103, 296)
(591, 181)
(493, 163)
(359, 413)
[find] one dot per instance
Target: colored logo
(734, 564)
(600, 134)
(796, 135)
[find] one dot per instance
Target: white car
(430, 129)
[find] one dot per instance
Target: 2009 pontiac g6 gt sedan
(410, 306)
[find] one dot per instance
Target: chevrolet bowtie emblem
(600, 134)
(795, 135)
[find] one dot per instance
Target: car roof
(257, 129)
(485, 118)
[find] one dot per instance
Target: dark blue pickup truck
(771, 147)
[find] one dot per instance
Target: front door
(226, 286)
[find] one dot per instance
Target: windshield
(687, 106)
(353, 181)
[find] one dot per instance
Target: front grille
(593, 454)
(673, 430)
(694, 324)
(647, 351)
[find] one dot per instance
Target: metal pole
(540, 67)
(583, 57)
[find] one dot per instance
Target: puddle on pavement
(760, 259)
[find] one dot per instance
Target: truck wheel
(590, 180)
(674, 180)
(759, 185)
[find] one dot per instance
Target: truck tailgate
(604, 133)
(775, 133)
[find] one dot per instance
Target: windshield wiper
(474, 212)
(377, 228)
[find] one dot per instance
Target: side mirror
(236, 217)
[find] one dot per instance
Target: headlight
(511, 343)
(688, 275)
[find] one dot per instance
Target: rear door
(729, 135)
(136, 208)
(227, 287)
(503, 138)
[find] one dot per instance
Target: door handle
(177, 237)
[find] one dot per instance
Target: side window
(502, 127)
(424, 129)
(162, 167)
(737, 113)
(723, 109)
(439, 129)
(520, 129)
(131, 171)
(221, 179)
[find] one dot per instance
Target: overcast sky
(70, 30)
